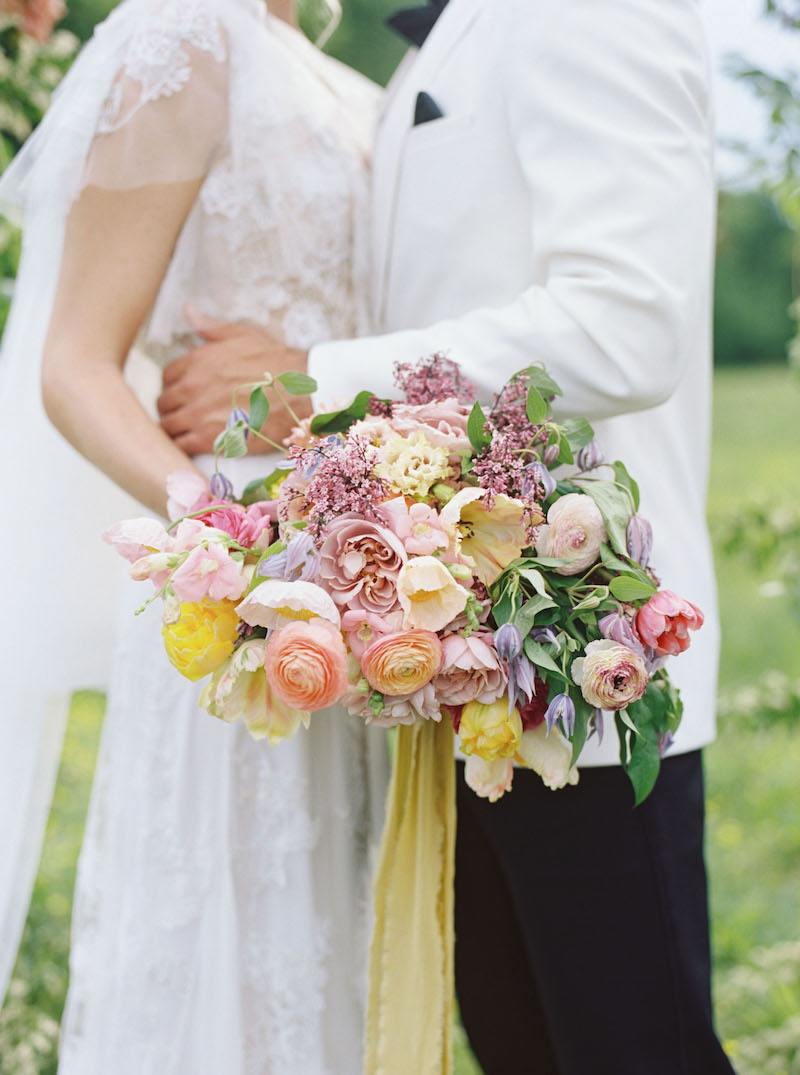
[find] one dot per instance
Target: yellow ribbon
(410, 1003)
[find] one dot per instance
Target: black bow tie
(415, 23)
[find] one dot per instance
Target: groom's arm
(609, 113)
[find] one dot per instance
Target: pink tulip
(665, 621)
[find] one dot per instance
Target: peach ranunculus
(490, 731)
(202, 639)
(665, 621)
(610, 675)
(549, 755)
(489, 540)
(239, 688)
(275, 602)
(471, 670)
(359, 561)
(575, 531)
(402, 663)
(306, 664)
(489, 779)
(429, 595)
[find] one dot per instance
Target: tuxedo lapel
(397, 120)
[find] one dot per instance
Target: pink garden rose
(665, 621)
(249, 527)
(471, 670)
(359, 562)
(306, 664)
(610, 676)
(209, 572)
(575, 531)
(402, 663)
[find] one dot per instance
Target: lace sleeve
(166, 113)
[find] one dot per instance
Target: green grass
(753, 817)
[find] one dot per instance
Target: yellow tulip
(489, 730)
(202, 638)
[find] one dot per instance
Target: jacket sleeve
(609, 115)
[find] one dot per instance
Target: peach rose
(402, 663)
(575, 531)
(306, 664)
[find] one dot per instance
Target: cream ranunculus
(489, 779)
(489, 540)
(548, 755)
(610, 675)
(274, 603)
(240, 689)
(490, 731)
(575, 531)
(429, 595)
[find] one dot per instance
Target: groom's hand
(197, 389)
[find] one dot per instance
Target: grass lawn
(753, 814)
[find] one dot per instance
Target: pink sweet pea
(187, 491)
(665, 621)
(418, 527)
(135, 538)
(209, 572)
(364, 628)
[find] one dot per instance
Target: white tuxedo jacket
(562, 211)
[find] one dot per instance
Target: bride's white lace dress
(222, 907)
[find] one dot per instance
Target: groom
(543, 192)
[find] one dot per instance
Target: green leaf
(643, 767)
(231, 442)
(535, 407)
(323, 425)
(259, 488)
(616, 507)
(297, 384)
(259, 408)
(578, 432)
(541, 380)
(628, 589)
(478, 437)
(591, 600)
(536, 652)
(623, 735)
(535, 578)
(547, 561)
(622, 477)
(583, 713)
(565, 455)
(526, 616)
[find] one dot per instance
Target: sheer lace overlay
(221, 917)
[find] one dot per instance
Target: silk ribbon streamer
(410, 1003)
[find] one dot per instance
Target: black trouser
(582, 927)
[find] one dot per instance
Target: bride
(200, 152)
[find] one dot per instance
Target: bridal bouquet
(425, 561)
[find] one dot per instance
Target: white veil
(60, 583)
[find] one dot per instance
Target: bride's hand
(197, 389)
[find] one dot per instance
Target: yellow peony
(411, 465)
(202, 638)
(489, 730)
